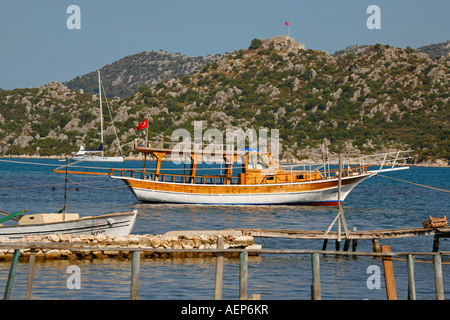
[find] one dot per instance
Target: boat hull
(87, 158)
(307, 193)
(118, 224)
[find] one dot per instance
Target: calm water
(375, 204)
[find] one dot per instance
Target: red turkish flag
(142, 125)
(286, 23)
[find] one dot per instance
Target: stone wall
(283, 43)
(174, 240)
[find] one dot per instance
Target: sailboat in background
(97, 155)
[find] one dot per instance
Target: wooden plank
(219, 271)
(315, 287)
(354, 235)
(31, 264)
(411, 282)
(389, 278)
(243, 276)
(135, 266)
(438, 277)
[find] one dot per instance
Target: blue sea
(377, 203)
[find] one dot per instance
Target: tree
(255, 44)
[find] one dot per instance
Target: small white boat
(96, 155)
(91, 155)
(118, 224)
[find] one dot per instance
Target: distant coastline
(439, 163)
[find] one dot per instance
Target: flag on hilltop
(142, 125)
(289, 28)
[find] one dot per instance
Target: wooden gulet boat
(261, 180)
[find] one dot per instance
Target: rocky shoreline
(100, 243)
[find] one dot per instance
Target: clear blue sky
(37, 47)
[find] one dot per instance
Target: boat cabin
(250, 167)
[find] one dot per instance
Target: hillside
(435, 50)
(384, 98)
(123, 77)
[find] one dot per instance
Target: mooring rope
(417, 184)
(38, 186)
(390, 192)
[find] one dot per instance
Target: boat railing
(324, 171)
(353, 166)
(387, 159)
(288, 175)
(176, 178)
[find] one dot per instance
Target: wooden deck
(354, 236)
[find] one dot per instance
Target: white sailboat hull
(118, 224)
(89, 158)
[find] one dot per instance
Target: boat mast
(101, 111)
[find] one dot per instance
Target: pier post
(376, 245)
(243, 276)
(31, 264)
(12, 273)
(315, 287)
(346, 244)
(354, 244)
(411, 282)
(324, 245)
(389, 278)
(135, 266)
(438, 276)
(436, 243)
(219, 271)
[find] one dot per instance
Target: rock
(197, 241)
(337, 94)
(53, 237)
(155, 242)
(52, 254)
(271, 90)
(132, 239)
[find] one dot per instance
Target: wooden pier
(354, 236)
(137, 252)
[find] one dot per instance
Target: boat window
(270, 178)
(300, 176)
